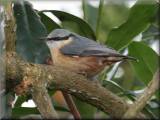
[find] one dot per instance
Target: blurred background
(114, 13)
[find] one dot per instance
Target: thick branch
(67, 97)
(10, 35)
(43, 102)
(144, 98)
(70, 82)
(10, 38)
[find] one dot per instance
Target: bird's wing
(85, 47)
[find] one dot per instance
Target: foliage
(148, 61)
(119, 37)
(29, 31)
(115, 25)
(72, 23)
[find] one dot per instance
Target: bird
(80, 54)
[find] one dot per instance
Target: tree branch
(71, 105)
(67, 97)
(43, 102)
(37, 89)
(65, 80)
(140, 103)
(10, 38)
(10, 35)
(47, 111)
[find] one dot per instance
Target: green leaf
(148, 60)
(48, 22)
(86, 110)
(105, 17)
(21, 99)
(138, 20)
(74, 23)
(90, 14)
(114, 84)
(99, 18)
(29, 31)
(22, 111)
(60, 108)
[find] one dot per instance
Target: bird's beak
(131, 58)
(43, 39)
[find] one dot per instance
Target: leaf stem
(84, 9)
(99, 17)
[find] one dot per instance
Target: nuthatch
(80, 54)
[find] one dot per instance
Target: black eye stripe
(59, 38)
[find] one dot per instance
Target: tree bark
(60, 79)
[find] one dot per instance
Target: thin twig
(140, 103)
(71, 105)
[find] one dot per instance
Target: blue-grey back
(82, 46)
